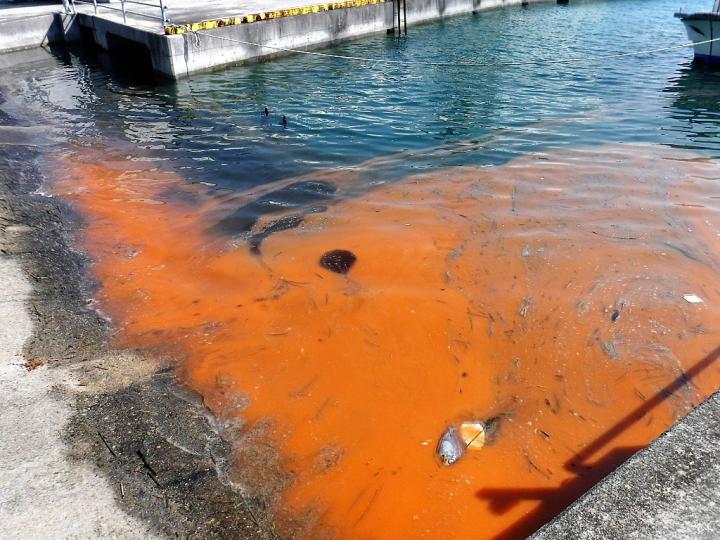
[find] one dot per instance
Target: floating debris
(473, 434)
(339, 261)
(525, 306)
(693, 298)
(615, 315)
(609, 348)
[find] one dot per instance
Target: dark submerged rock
(338, 260)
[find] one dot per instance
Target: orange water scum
(561, 309)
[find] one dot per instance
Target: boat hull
(701, 27)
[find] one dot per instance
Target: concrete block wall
(32, 31)
(420, 11)
(160, 47)
(200, 52)
(177, 56)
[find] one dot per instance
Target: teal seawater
(340, 113)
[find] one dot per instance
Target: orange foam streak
(477, 292)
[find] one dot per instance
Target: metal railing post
(162, 13)
(70, 8)
(405, 15)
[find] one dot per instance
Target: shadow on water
(587, 474)
(253, 216)
(301, 196)
(127, 64)
(695, 106)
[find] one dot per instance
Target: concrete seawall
(193, 43)
(34, 26)
(193, 52)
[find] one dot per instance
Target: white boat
(701, 28)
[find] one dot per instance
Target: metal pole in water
(122, 4)
(398, 18)
(405, 15)
(95, 6)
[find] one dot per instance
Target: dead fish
(450, 448)
(457, 440)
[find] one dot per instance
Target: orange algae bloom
(546, 294)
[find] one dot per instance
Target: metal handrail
(160, 4)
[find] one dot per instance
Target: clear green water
(209, 128)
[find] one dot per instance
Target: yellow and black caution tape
(174, 29)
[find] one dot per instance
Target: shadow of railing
(555, 500)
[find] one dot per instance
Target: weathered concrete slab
(671, 489)
(21, 10)
(24, 26)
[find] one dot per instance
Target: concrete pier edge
(179, 50)
(670, 489)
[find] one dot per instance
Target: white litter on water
(693, 298)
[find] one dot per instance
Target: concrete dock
(186, 37)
